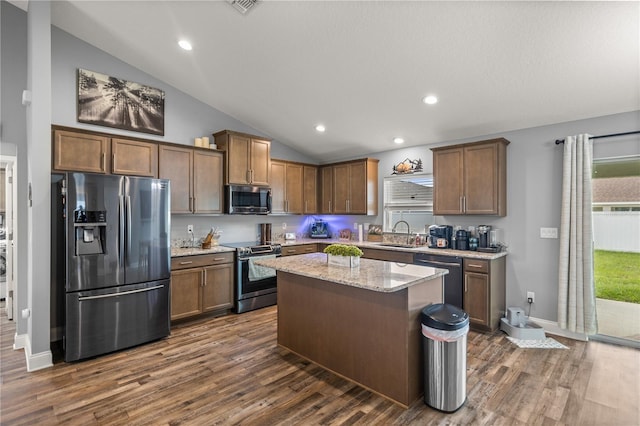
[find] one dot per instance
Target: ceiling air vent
(242, 6)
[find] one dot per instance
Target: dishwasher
(453, 290)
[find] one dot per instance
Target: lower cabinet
(201, 283)
(484, 292)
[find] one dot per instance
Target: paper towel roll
(360, 233)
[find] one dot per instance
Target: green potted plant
(343, 255)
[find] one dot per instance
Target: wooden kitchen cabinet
(287, 187)
(248, 158)
(484, 292)
(196, 179)
(387, 255)
(326, 190)
(299, 249)
(134, 158)
(471, 178)
(80, 151)
(354, 187)
(310, 189)
(201, 283)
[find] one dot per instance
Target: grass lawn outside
(617, 275)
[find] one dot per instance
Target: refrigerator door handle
(124, 293)
(128, 207)
(121, 231)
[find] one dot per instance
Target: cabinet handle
(461, 207)
(113, 162)
(305, 206)
(329, 206)
(464, 203)
(217, 259)
(346, 205)
(186, 263)
(104, 162)
(465, 283)
(471, 265)
(291, 251)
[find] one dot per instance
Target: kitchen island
(360, 323)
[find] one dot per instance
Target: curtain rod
(559, 141)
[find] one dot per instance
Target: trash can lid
(443, 316)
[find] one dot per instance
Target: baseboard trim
(19, 341)
(37, 361)
(552, 327)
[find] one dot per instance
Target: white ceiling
(362, 67)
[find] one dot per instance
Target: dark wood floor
(229, 370)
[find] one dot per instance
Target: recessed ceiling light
(185, 45)
(430, 100)
(398, 140)
(320, 128)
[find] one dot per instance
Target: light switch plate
(548, 232)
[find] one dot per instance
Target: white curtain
(576, 289)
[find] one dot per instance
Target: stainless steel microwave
(247, 199)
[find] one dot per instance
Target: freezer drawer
(103, 321)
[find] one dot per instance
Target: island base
(371, 338)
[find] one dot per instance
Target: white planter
(347, 261)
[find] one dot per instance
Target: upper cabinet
(81, 152)
(96, 153)
(248, 158)
(286, 187)
(293, 187)
(471, 178)
(354, 187)
(196, 179)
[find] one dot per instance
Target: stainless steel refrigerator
(116, 261)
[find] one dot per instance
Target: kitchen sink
(397, 245)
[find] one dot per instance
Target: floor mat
(547, 343)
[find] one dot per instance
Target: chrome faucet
(399, 222)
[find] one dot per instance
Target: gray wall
(13, 118)
(534, 161)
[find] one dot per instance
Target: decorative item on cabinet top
(407, 166)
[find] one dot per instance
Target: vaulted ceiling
(361, 68)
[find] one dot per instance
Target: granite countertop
(373, 275)
(469, 254)
(189, 251)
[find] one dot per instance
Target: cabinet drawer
(196, 261)
(301, 249)
(476, 265)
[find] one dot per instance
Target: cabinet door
(448, 168)
(186, 291)
(176, 164)
(134, 158)
(207, 182)
(260, 162)
(481, 179)
(217, 292)
(80, 152)
(238, 155)
(293, 189)
(326, 190)
(358, 188)
(476, 297)
(341, 188)
(278, 183)
(310, 189)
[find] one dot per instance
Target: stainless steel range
(256, 286)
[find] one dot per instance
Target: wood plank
(229, 370)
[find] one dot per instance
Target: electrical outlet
(531, 297)
(548, 232)
(190, 228)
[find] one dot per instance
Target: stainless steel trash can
(444, 342)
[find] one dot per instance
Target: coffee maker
(440, 236)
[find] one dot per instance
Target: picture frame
(113, 102)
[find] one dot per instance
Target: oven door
(255, 287)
